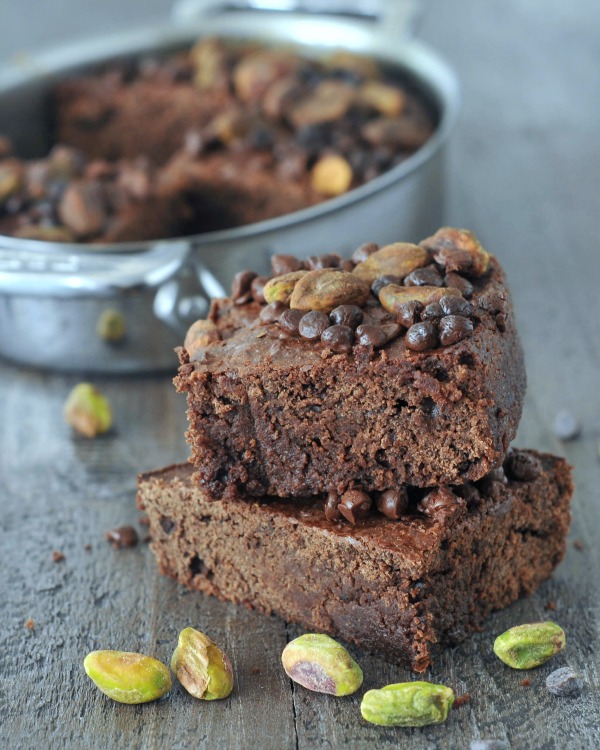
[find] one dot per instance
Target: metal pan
(53, 294)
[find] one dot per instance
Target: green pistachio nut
(280, 288)
(527, 646)
(319, 663)
(128, 677)
(111, 326)
(407, 704)
(88, 411)
(201, 667)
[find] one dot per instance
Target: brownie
(295, 398)
(401, 588)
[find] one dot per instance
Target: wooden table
(524, 172)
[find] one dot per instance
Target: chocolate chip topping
(459, 282)
(240, 286)
(312, 325)
(332, 512)
(362, 253)
(257, 286)
(338, 338)
(354, 505)
(456, 306)
(272, 312)
(428, 276)
(421, 336)
(454, 328)
(433, 311)
(522, 467)
(289, 320)
(409, 313)
(282, 264)
(382, 281)
(440, 503)
(393, 503)
(371, 335)
(347, 315)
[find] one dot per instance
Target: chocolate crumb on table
(564, 682)
(29, 624)
(579, 545)
(461, 700)
(122, 536)
(57, 556)
(525, 682)
(551, 605)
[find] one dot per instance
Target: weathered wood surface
(524, 172)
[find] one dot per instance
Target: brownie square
(274, 413)
(402, 588)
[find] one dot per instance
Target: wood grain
(524, 172)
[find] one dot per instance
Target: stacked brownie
(350, 423)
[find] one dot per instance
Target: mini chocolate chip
(454, 328)
(492, 302)
(454, 260)
(312, 325)
(428, 276)
(566, 425)
(522, 467)
(391, 330)
(240, 286)
(440, 503)
(167, 524)
(346, 315)
(393, 503)
(371, 335)
(432, 311)
(470, 494)
(317, 262)
(338, 338)
(421, 336)
(281, 264)
(456, 306)
(362, 253)
(257, 286)
(459, 282)
(122, 536)
(332, 512)
(289, 320)
(409, 313)
(564, 682)
(272, 312)
(354, 505)
(382, 281)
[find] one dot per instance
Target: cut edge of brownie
(400, 588)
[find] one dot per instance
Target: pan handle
(392, 16)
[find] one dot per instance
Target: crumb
(57, 556)
(551, 605)
(579, 545)
(87, 547)
(29, 624)
(525, 682)
(144, 521)
(122, 536)
(255, 670)
(461, 700)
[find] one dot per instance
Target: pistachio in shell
(398, 259)
(128, 677)
(393, 296)
(325, 290)
(201, 667)
(319, 663)
(458, 250)
(280, 288)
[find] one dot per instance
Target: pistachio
(280, 288)
(398, 259)
(360, 64)
(328, 102)
(407, 704)
(458, 250)
(325, 289)
(331, 175)
(393, 296)
(201, 667)
(319, 663)
(527, 646)
(200, 334)
(88, 411)
(11, 179)
(386, 99)
(111, 326)
(395, 133)
(256, 71)
(128, 677)
(46, 234)
(210, 64)
(82, 208)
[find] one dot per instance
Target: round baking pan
(52, 295)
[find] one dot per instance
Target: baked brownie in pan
(402, 588)
(422, 393)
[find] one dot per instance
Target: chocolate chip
(347, 265)
(289, 320)
(522, 467)
(391, 330)
(272, 312)
(393, 503)
(409, 313)
(564, 682)
(489, 745)
(492, 302)
(354, 505)
(470, 494)
(454, 328)
(240, 286)
(362, 253)
(346, 315)
(167, 524)
(421, 336)
(454, 259)
(452, 305)
(122, 536)
(332, 512)
(382, 281)
(566, 425)
(371, 335)
(317, 262)
(57, 556)
(256, 288)
(338, 338)
(428, 276)
(312, 325)
(433, 311)
(281, 264)
(459, 282)
(440, 503)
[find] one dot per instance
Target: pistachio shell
(530, 645)
(407, 704)
(398, 259)
(319, 663)
(280, 288)
(201, 667)
(128, 677)
(325, 289)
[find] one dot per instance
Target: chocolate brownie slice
(331, 387)
(401, 587)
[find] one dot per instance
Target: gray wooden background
(524, 172)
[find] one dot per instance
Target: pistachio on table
(407, 704)
(319, 663)
(326, 289)
(111, 326)
(280, 288)
(201, 667)
(530, 645)
(88, 411)
(398, 259)
(128, 677)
